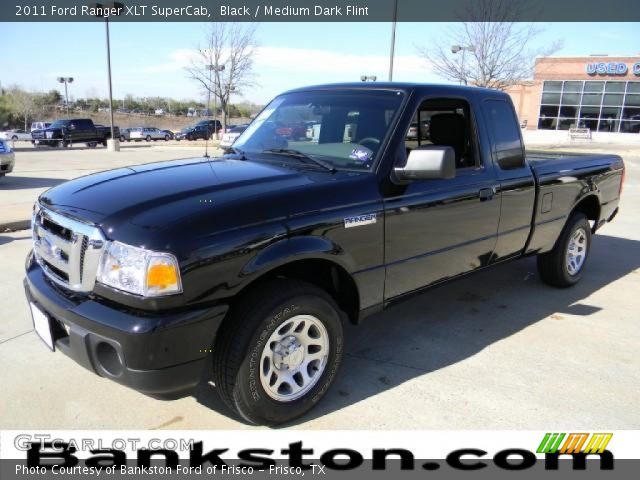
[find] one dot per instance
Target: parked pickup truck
(63, 133)
(244, 269)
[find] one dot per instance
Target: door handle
(486, 194)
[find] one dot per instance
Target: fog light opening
(109, 359)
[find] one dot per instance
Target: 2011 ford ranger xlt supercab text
(243, 269)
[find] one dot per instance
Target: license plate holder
(42, 326)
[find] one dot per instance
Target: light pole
(66, 80)
(393, 39)
(460, 48)
(113, 144)
(213, 68)
(228, 112)
(368, 78)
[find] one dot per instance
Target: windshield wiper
(302, 156)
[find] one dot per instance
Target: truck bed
(562, 180)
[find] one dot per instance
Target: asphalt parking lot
(496, 350)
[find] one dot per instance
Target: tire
(166, 138)
(14, 138)
(122, 139)
(148, 138)
(560, 267)
(61, 144)
(92, 144)
(239, 361)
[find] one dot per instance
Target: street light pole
(113, 135)
(459, 48)
(66, 80)
(393, 39)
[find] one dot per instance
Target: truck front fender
(295, 249)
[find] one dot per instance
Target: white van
(39, 125)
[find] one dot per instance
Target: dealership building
(601, 93)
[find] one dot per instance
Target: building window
(604, 106)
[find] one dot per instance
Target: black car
(196, 132)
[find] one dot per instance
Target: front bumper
(7, 162)
(160, 354)
(48, 142)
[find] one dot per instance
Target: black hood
(198, 194)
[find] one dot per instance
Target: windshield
(344, 129)
(60, 123)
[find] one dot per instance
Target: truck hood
(180, 194)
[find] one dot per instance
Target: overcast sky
(148, 59)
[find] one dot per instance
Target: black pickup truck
(243, 269)
(63, 133)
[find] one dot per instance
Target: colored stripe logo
(574, 443)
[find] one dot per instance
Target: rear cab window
(503, 126)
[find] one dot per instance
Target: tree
(22, 104)
(224, 65)
(497, 51)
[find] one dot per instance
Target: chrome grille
(68, 251)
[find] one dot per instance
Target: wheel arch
(316, 260)
(590, 206)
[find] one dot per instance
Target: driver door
(438, 229)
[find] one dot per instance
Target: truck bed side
(566, 181)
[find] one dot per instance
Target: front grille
(37, 135)
(68, 251)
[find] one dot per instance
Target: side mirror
(428, 162)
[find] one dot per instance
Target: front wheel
(148, 138)
(279, 351)
(564, 265)
(166, 138)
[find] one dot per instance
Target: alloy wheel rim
(294, 358)
(576, 251)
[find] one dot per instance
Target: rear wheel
(148, 138)
(14, 138)
(278, 352)
(564, 265)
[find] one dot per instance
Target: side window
(445, 122)
(83, 125)
(506, 135)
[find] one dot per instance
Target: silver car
(7, 158)
(231, 133)
(148, 134)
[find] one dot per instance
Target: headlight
(139, 271)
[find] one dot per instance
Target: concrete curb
(15, 225)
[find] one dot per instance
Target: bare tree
(493, 50)
(22, 104)
(224, 64)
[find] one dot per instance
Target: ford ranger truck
(66, 132)
(243, 270)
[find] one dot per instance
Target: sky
(148, 59)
